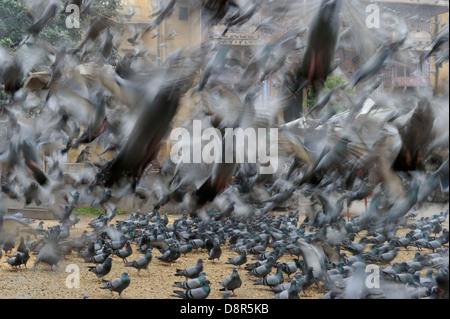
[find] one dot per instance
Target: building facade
(187, 27)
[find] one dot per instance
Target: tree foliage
(15, 19)
(330, 83)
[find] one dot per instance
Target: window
(183, 14)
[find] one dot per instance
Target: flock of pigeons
(395, 153)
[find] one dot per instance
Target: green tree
(15, 19)
(330, 83)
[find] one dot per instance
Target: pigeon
(215, 252)
(263, 270)
(142, 262)
(103, 269)
(125, 252)
(274, 279)
(191, 272)
(22, 248)
(162, 15)
(118, 244)
(191, 283)
(385, 258)
(231, 282)
(442, 280)
(319, 54)
(143, 143)
(242, 16)
(8, 244)
(118, 285)
(285, 286)
(73, 221)
(48, 13)
(99, 258)
(290, 268)
(293, 292)
(48, 254)
(428, 280)
(18, 259)
(313, 259)
(97, 25)
(201, 292)
(171, 254)
(376, 62)
(238, 260)
(437, 43)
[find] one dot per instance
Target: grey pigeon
(191, 283)
(442, 280)
(171, 254)
(232, 282)
(99, 258)
(216, 251)
(285, 286)
(263, 270)
(191, 272)
(376, 62)
(103, 269)
(274, 279)
(292, 293)
(47, 13)
(290, 268)
(196, 293)
(313, 259)
(48, 254)
(142, 262)
(385, 258)
(125, 252)
(428, 280)
(238, 260)
(118, 285)
(18, 259)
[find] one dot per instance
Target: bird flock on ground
(393, 154)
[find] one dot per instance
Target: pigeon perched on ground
(293, 292)
(171, 254)
(103, 269)
(142, 262)
(201, 292)
(232, 282)
(263, 270)
(18, 259)
(216, 251)
(118, 285)
(191, 283)
(272, 280)
(100, 258)
(125, 252)
(191, 272)
(238, 260)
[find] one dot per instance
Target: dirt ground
(44, 283)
